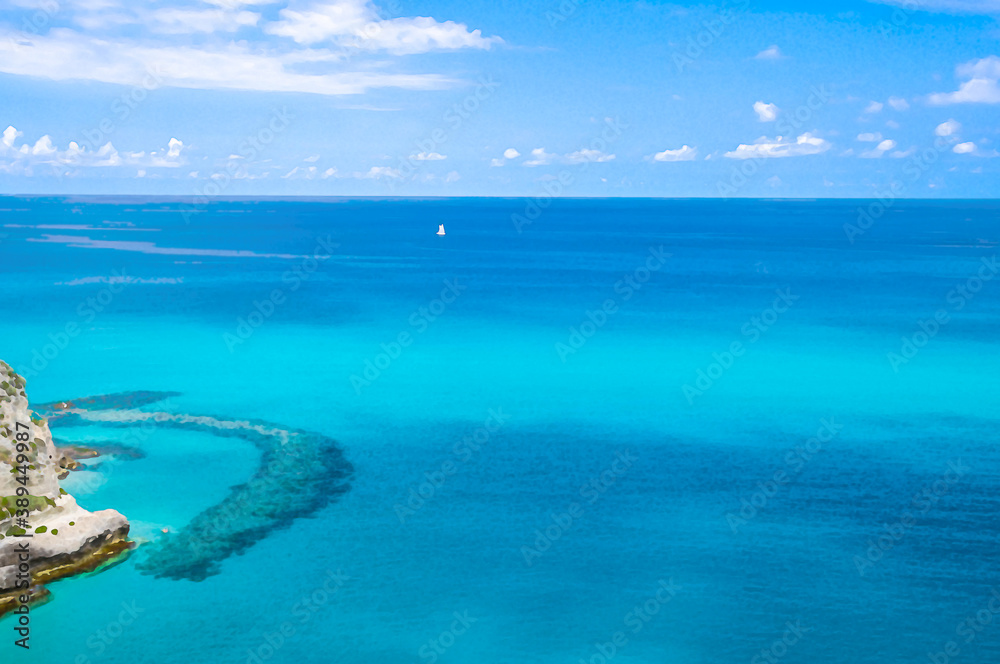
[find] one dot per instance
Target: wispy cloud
(587, 155)
(683, 153)
(770, 53)
(767, 148)
(355, 24)
(879, 150)
(947, 6)
(899, 104)
(324, 47)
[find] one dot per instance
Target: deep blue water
(554, 535)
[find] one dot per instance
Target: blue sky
(505, 98)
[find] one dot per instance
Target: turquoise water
(552, 535)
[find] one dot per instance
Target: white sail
(440, 229)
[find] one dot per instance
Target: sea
(571, 430)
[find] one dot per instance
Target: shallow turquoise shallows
(638, 431)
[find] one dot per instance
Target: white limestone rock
(60, 544)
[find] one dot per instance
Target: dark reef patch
(300, 472)
(121, 400)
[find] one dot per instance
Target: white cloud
(903, 154)
(948, 128)
(24, 159)
(870, 137)
(64, 55)
(767, 148)
(980, 88)
(585, 155)
(235, 4)
(874, 107)
(509, 153)
(356, 25)
(186, 21)
(428, 156)
(765, 112)
(899, 103)
(683, 153)
(174, 148)
(10, 135)
(964, 148)
(879, 150)
(202, 51)
(43, 147)
(380, 172)
(774, 181)
(949, 6)
(300, 173)
(311, 160)
(770, 53)
(539, 157)
(453, 176)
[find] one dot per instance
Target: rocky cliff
(65, 539)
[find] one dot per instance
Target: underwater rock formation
(61, 537)
(300, 472)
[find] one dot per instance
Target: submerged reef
(300, 472)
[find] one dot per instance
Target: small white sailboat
(440, 229)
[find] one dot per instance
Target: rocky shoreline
(63, 538)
